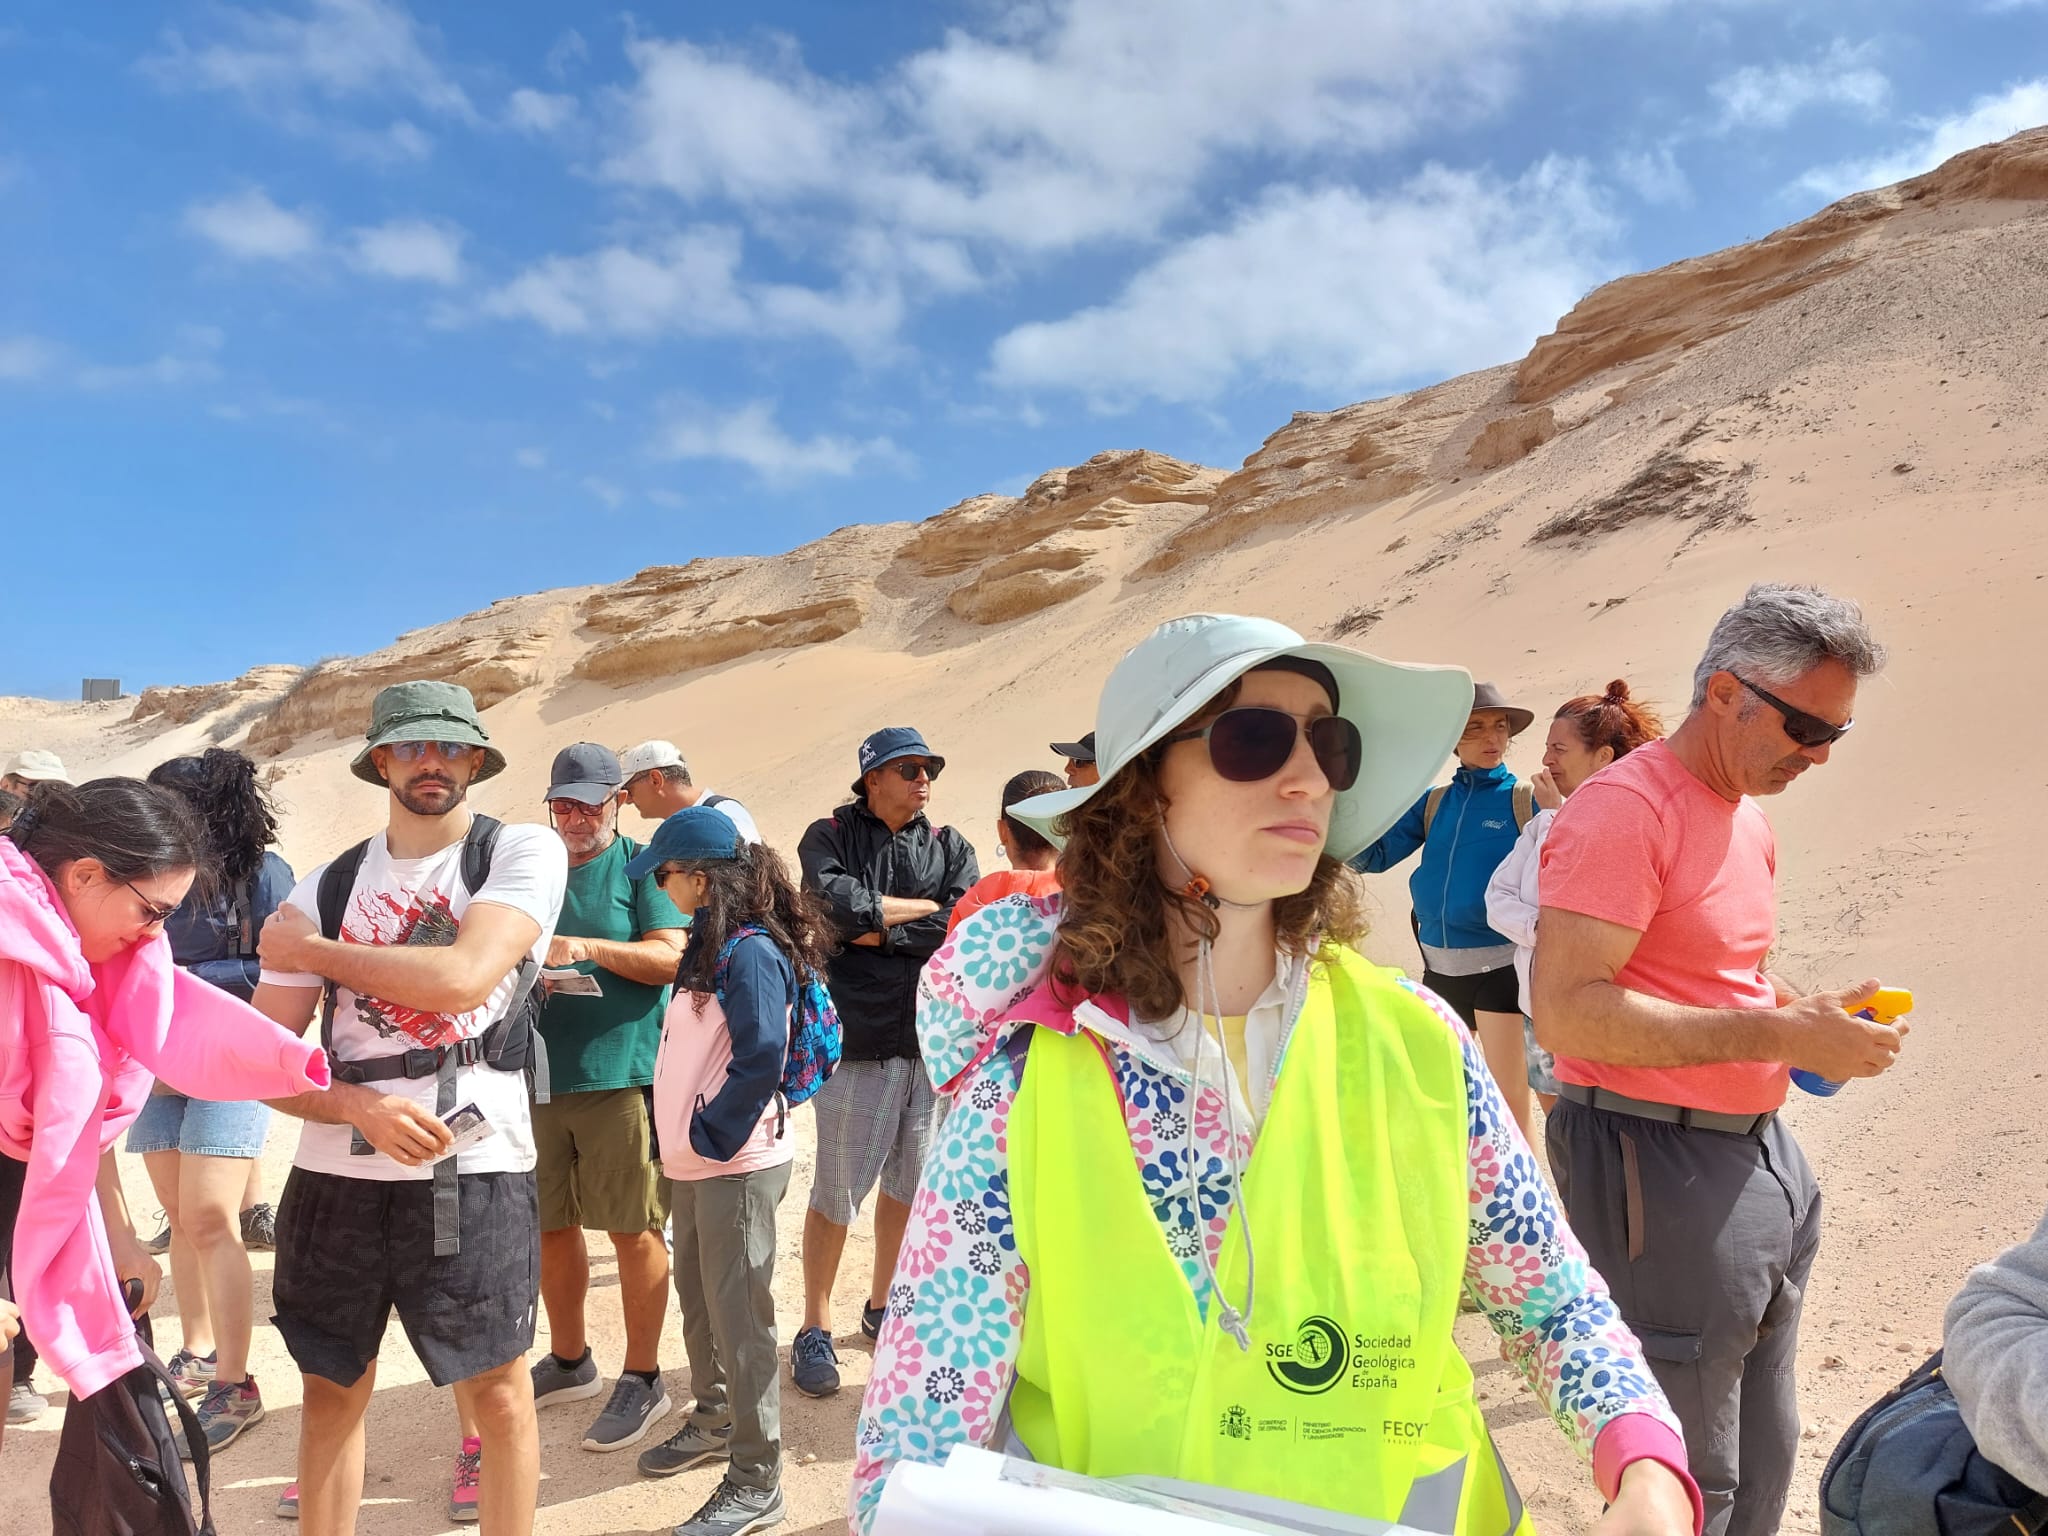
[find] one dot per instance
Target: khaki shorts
(594, 1156)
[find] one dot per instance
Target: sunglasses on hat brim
(1254, 742)
(1806, 730)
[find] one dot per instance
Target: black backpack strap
(477, 847)
(337, 884)
(710, 800)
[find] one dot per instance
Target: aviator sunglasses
(1254, 742)
(1804, 729)
(414, 751)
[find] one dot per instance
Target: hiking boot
(555, 1381)
(814, 1363)
(193, 1373)
(288, 1502)
(259, 1228)
(871, 1320)
(25, 1404)
(161, 1243)
(227, 1410)
(633, 1408)
(469, 1479)
(688, 1447)
(735, 1511)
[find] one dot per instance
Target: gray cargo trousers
(725, 1274)
(1705, 1239)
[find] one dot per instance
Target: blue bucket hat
(890, 743)
(697, 834)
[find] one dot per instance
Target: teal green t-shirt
(597, 1043)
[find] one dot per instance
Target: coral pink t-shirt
(1645, 844)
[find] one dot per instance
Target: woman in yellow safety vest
(1212, 1184)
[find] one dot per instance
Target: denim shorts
(170, 1122)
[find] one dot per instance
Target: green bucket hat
(426, 711)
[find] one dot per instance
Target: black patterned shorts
(349, 1251)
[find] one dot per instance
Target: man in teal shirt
(594, 1139)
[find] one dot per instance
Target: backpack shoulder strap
(336, 882)
(1431, 803)
(710, 800)
(477, 848)
(1525, 804)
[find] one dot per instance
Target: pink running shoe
(469, 1476)
(288, 1502)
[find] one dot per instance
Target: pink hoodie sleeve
(199, 1039)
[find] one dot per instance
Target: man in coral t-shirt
(1674, 1045)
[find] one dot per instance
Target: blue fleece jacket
(1473, 831)
(760, 989)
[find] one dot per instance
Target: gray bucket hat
(1408, 717)
(426, 711)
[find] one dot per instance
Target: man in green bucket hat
(418, 949)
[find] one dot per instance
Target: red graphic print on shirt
(385, 918)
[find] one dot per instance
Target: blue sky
(324, 319)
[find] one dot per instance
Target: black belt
(1670, 1114)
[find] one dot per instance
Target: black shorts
(1494, 991)
(350, 1250)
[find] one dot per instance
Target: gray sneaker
(632, 1411)
(554, 1382)
(734, 1512)
(25, 1404)
(688, 1447)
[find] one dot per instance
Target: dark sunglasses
(154, 913)
(909, 768)
(414, 751)
(1253, 743)
(1807, 730)
(575, 809)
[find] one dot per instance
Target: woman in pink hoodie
(91, 1011)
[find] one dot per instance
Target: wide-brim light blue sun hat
(1409, 716)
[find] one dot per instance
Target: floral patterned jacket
(950, 1341)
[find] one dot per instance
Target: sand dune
(1854, 400)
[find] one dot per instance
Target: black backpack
(511, 1043)
(1910, 1467)
(118, 1472)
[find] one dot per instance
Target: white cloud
(250, 227)
(1761, 96)
(751, 436)
(411, 250)
(25, 358)
(1336, 291)
(605, 491)
(1654, 175)
(1985, 121)
(336, 49)
(539, 111)
(689, 284)
(531, 458)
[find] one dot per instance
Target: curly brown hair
(753, 890)
(1113, 936)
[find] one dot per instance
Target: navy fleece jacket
(1473, 831)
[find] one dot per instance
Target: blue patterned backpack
(814, 1031)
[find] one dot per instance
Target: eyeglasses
(1254, 742)
(447, 751)
(1804, 729)
(627, 787)
(910, 769)
(153, 912)
(573, 810)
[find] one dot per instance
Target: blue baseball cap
(890, 743)
(697, 834)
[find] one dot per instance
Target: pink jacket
(79, 1047)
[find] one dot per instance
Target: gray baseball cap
(586, 772)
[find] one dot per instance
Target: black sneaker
(734, 1512)
(814, 1363)
(259, 1228)
(871, 1320)
(688, 1447)
(161, 1243)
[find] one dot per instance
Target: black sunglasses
(1254, 742)
(908, 768)
(1806, 730)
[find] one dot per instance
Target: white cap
(651, 754)
(1409, 717)
(38, 765)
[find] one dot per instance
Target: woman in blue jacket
(1464, 829)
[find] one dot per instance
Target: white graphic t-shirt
(422, 901)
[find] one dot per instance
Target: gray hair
(1779, 633)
